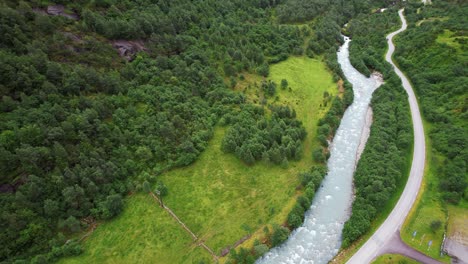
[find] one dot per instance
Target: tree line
(439, 74)
(384, 164)
(80, 128)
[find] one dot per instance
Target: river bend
(319, 238)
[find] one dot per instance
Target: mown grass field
(394, 259)
(218, 197)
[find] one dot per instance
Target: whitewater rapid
(319, 238)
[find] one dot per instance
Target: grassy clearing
(218, 197)
(449, 38)
(307, 79)
(142, 233)
(427, 208)
(393, 258)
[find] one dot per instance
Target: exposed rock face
(56, 10)
(72, 37)
(127, 49)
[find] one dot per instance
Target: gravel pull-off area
(458, 251)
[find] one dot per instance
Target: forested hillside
(434, 53)
(81, 126)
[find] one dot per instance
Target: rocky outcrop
(127, 48)
(57, 10)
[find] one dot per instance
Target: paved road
(383, 236)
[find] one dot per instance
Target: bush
(435, 225)
(260, 250)
(279, 235)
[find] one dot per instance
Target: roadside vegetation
(434, 54)
(219, 197)
(394, 259)
(202, 103)
(383, 168)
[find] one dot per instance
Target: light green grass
(394, 259)
(448, 38)
(143, 233)
(218, 197)
(431, 19)
(457, 227)
(308, 80)
(427, 208)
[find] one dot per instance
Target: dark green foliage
(330, 122)
(268, 88)
(435, 225)
(260, 250)
(318, 155)
(78, 123)
(253, 137)
(284, 84)
(146, 187)
(310, 180)
(279, 235)
(244, 256)
(161, 189)
(438, 72)
(385, 158)
(112, 206)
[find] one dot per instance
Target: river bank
(319, 238)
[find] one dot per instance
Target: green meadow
(218, 197)
(144, 233)
(394, 259)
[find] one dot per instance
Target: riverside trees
(382, 167)
(80, 127)
(434, 55)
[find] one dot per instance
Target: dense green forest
(80, 127)
(434, 54)
(383, 166)
(436, 66)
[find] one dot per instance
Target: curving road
(381, 240)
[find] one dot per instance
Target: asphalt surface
(382, 238)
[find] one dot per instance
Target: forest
(438, 69)
(81, 127)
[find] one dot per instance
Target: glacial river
(319, 238)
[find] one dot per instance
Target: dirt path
(184, 226)
(381, 240)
